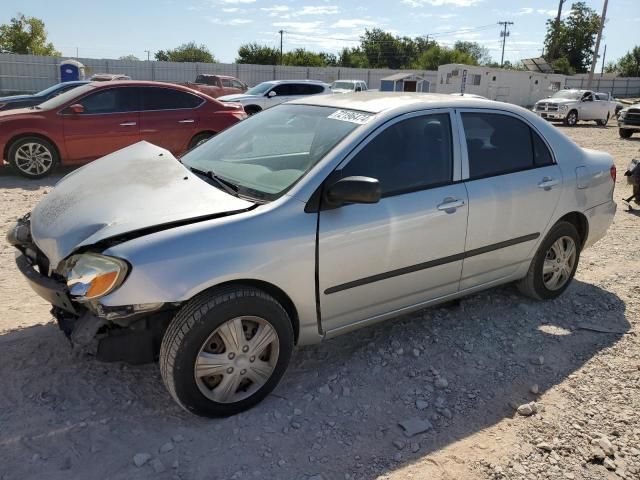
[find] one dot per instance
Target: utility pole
(604, 57)
(148, 54)
(553, 51)
(504, 34)
(281, 32)
(598, 38)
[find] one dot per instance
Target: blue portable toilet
(71, 70)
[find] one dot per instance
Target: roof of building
(402, 76)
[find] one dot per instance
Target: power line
(504, 34)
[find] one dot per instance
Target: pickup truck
(570, 106)
(217, 85)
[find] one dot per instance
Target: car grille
(546, 107)
(632, 117)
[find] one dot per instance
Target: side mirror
(353, 190)
(76, 108)
(271, 94)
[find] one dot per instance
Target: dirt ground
(464, 369)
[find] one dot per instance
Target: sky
(114, 28)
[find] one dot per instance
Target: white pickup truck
(570, 106)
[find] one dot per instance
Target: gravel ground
(457, 374)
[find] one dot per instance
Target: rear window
(158, 98)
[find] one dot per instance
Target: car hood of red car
(135, 189)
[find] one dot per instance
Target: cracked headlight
(90, 275)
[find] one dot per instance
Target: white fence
(28, 73)
(621, 87)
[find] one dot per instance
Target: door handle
(128, 124)
(547, 183)
(186, 121)
(450, 204)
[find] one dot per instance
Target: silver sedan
(307, 221)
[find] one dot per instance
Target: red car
(96, 119)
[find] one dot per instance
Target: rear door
(110, 122)
(513, 185)
(169, 117)
(407, 248)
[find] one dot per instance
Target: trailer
(522, 88)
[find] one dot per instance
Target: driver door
(376, 259)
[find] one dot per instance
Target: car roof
(314, 82)
(377, 102)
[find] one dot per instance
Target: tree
(187, 52)
(478, 52)
(129, 57)
(305, 58)
(256, 54)
(563, 65)
(437, 55)
(573, 38)
(353, 58)
(27, 36)
(629, 64)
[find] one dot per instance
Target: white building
(519, 87)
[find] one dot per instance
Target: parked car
(614, 105)
(268, 94)
(307, 221)
(629, 120)
(570, 106)
(24, 101)
(108, 77)
(348, 86)
(93, 120)
(217, 85)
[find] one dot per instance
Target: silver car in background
(308, 221)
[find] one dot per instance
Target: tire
(572, 118)
(252, 109)
(534, 284)
(33, 157)
(625, 133)
(203, 328)
(604, 122)
(199, 139)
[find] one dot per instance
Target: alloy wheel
(237, 359)
(559, 263)
(33, 159)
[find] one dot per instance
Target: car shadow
(337, 409)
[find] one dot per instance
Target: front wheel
(572, 118)
(33, 157)
(554, 264)
(225, 351)
(625, 133)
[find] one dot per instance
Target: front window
(568, 94)
(268, 153)
(342, 85)
(260, 89)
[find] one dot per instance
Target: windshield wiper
(223, 184)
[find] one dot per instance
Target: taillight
(613, 173)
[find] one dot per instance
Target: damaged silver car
(307, 221)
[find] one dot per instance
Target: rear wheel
(625, 133)
(200, 139)
(554, 264)
(33, 157)
(602, 123)
(252, 109)
(226, 350)
(572, 118)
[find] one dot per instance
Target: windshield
(568, 94)
(343, 85)
(65, 97)
(268, 153)
(260, 89)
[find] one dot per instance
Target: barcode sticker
(350, 116)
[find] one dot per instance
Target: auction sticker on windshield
(350, 116)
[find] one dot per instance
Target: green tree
(129, 57)
(305, 58)
(563, 65)
(256, 54)
(187, 52)
(478, 52)
(437, 55)
(575, 37)
(353, 58)
(27, 36)
(629, 64)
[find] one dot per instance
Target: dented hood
(136, 188)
